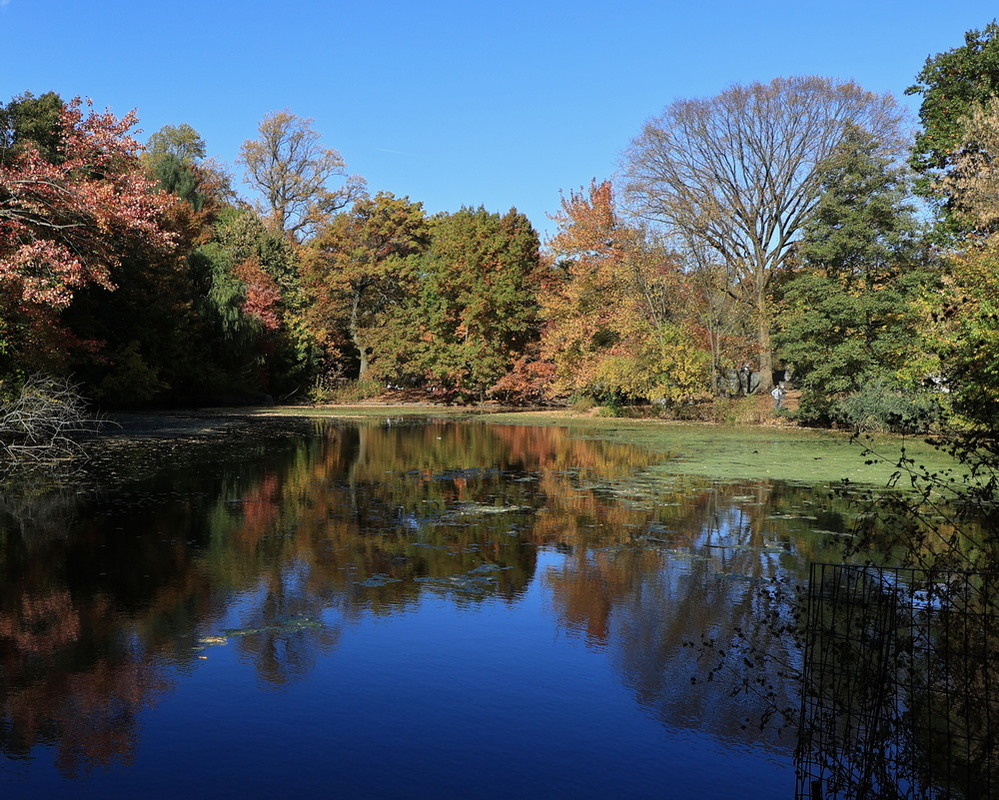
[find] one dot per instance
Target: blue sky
(456, 103)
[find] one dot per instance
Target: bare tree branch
(41, 424)
(738, 172)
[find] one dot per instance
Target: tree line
(790, 229)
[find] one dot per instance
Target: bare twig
(42, 423)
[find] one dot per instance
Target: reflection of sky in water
(497, 612)
(441, 700)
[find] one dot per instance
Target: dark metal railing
(897, 695)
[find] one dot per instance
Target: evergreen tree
(954, 86)
(850, 316)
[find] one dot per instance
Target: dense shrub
(878, 406)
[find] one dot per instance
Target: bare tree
(292, 170)
(41, 423)
(738, 173)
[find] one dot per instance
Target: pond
(398, 609)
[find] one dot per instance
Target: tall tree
(31, 121)
(971, 183)
(67, 216)
(477, 307)
(970, 341)
(249, 301)
(739, 173)
(850, 317)
(356, 273)
(954, 86)
(289, 166)
(612, 308)
(171, 157)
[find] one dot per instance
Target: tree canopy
(770, 226)
(289, 166)
(738, 172)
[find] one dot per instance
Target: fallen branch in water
(41, 423)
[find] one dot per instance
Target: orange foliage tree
(617, 309)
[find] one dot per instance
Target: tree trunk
(355, 337)
(766, 352)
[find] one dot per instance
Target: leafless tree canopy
(292, 170)
(738, 172)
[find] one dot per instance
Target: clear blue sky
(456, 103)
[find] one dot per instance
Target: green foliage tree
(32, 120)
(171, 158)
(249, 302)
(851, 315)
(477, 307)
(181, 141)
(357, 273)
(953, 84)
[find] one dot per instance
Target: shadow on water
(279, 545)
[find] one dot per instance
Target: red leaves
(63, 222)
(263, 297)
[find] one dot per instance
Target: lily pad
(377, 580)
(210, 641)
(486, 568)
(282, 626)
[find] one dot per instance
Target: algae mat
(718, 451)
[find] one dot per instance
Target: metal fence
(897, 696)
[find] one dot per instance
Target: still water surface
(394, 610)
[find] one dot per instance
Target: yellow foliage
(615, 307)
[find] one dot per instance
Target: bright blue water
(439, 611)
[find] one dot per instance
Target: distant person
(745, 376)
(778, 393)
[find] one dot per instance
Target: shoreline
(721, 451)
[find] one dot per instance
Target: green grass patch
(722, 452)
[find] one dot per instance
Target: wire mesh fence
(897, 697)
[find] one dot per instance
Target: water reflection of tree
(698, 574)
(68, 676)
(275, 542)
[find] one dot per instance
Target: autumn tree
(971, 182)
(738, 173)
(289, 166)
(616, 309)
(356, 274)
(476, 308)
(68, 211)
